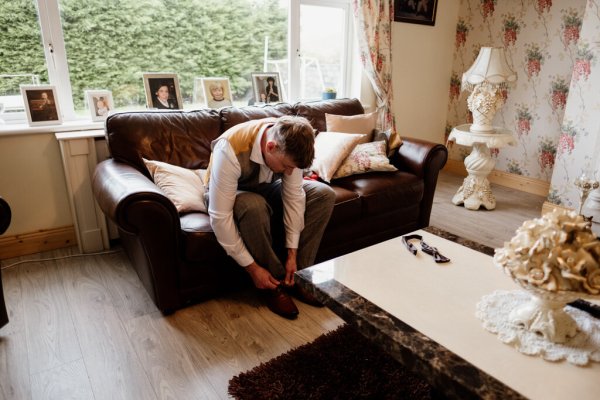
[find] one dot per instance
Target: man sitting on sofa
(259, 204)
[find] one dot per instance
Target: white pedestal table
(475, 190)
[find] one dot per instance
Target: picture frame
(165, 85)
(260, 85)
(100, 103)
(415, 11)
(217, 92)
(41, 105)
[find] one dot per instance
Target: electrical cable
(59, 258)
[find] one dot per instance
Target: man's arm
(294, 205)
(224, 175)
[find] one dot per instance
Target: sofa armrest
(425, 160)
(149, 225)
(118, 187)
(417, 156)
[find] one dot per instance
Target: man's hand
(261, 277)
(290, 267)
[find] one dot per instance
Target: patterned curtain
(374, 30)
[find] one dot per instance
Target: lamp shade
(491, 67)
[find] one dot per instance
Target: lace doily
(493, 310)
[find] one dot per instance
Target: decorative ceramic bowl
(556, 258)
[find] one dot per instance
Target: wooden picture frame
(217, 92)
(415, 11)
(41, 105)
(267, 87)
(100, 103)
(162, 91)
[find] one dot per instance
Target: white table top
(500, 137)
(439, 300)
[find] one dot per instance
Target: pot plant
(329, 93)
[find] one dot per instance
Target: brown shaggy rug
(341, 364)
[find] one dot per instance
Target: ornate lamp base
(475, 190)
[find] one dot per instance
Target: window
(21, 55)
(79, 45)
(321, 38)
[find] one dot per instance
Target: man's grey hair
(295, 137)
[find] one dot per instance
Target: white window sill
(24, 129)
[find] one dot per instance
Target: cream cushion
(360, 123)
(331, 149)
(184, 187)
(365, 157)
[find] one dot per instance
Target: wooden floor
(491, 228)
(84, 327)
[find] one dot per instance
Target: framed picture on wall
(100, 103)
(41, 105)
(162, 91)
(267, 87)
(415, 11)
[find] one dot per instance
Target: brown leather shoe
(304, 296)
(280, 303)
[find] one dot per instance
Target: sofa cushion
(360, 123)
(199, 241)
(382, 192)
(315, 111)
(184, 187)
(331, 149)
(232, 116)
(176, 137)
(347, 206)
(366, 157)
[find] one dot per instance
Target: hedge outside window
(110, 44)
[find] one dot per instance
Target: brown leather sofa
(178, 258)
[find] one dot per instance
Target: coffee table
(423, 314)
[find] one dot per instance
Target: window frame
(58, 67)
(56, 55)
(294, 44)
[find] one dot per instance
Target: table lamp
(489, 74)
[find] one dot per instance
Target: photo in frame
(217, 92)
(162, 91)
(41, 105)
(100, 103)
(267, 87)
(415, 11)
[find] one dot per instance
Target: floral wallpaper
(542, 40)
(578, 140)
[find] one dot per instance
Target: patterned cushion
(365, 157)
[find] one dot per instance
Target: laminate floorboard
(14, 360)
(113, 367)
(85, 328)
(67, 382)
(489, 227)
(51, 338)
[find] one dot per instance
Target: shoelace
(425, 248)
